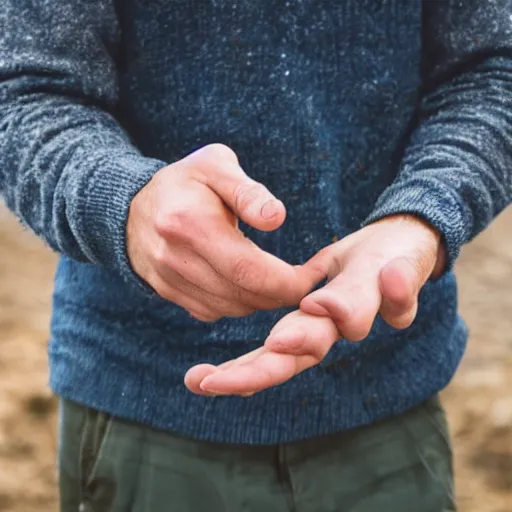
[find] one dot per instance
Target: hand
(183, 239)
(297, 342)
(380, 268)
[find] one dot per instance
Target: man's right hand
(184, 241)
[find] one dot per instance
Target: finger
(194, 307)
(304, 335)
(245, 265)
(233, 256)
(215, 304)
(198, 373)
(324, 264)
(245, 358)
(194, 269)
(267, 370)
(352, 300)
(250, 200)
(195, 376)
(400, 282)
(301, 342)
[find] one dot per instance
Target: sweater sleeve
(457, 169)
(67, 169)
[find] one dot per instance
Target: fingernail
(246, 395)
(283, 339)
(270, 209)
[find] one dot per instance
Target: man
(151, 144)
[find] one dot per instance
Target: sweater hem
(342, 399)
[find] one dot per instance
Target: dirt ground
(479, 401)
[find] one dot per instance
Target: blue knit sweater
(348, 111)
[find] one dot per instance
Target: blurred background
(479, 400)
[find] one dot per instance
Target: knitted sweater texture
(348, 110)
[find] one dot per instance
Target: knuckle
(191, 168)
(179, 224)
(245, 194)
(181, 170)
(220, 152)
(161, 255)
(163, 223)
(354, 329)
(298, 346)
(247, 274)
(324, 263)
(324, 253)
(178, 172)
(335, 268)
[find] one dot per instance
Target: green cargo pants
(402, 464)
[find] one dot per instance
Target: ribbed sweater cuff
(433, 202)
(104, 208)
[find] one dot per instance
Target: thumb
(400, 281)
(248, 199)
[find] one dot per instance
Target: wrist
(438, 246)
(430, 238)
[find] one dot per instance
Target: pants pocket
(97, 489)
(427, 434)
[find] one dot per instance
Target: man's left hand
(378, 269)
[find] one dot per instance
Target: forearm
(67, 169)
(457, 169)
(69, 172)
